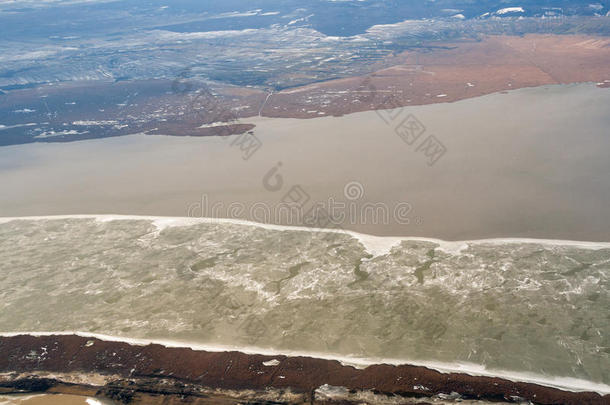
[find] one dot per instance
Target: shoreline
(206, 177)
(374, 244)
(48, 361)
(152, 225)
(454, 70)
(470, 369)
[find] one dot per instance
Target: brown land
(135, 374)
(434, 73)
(454, 71)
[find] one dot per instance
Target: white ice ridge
(375, 245)
(563, 383)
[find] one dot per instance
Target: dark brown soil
(183, 371)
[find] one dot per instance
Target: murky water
(522, 307)
(531, 163)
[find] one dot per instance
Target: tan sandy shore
(50, 399)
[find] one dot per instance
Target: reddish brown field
(133, 372)
(435, 73)
(464, 70)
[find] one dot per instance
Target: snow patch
(508, 10)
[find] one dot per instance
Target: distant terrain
(73, 70)
(191, 106)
